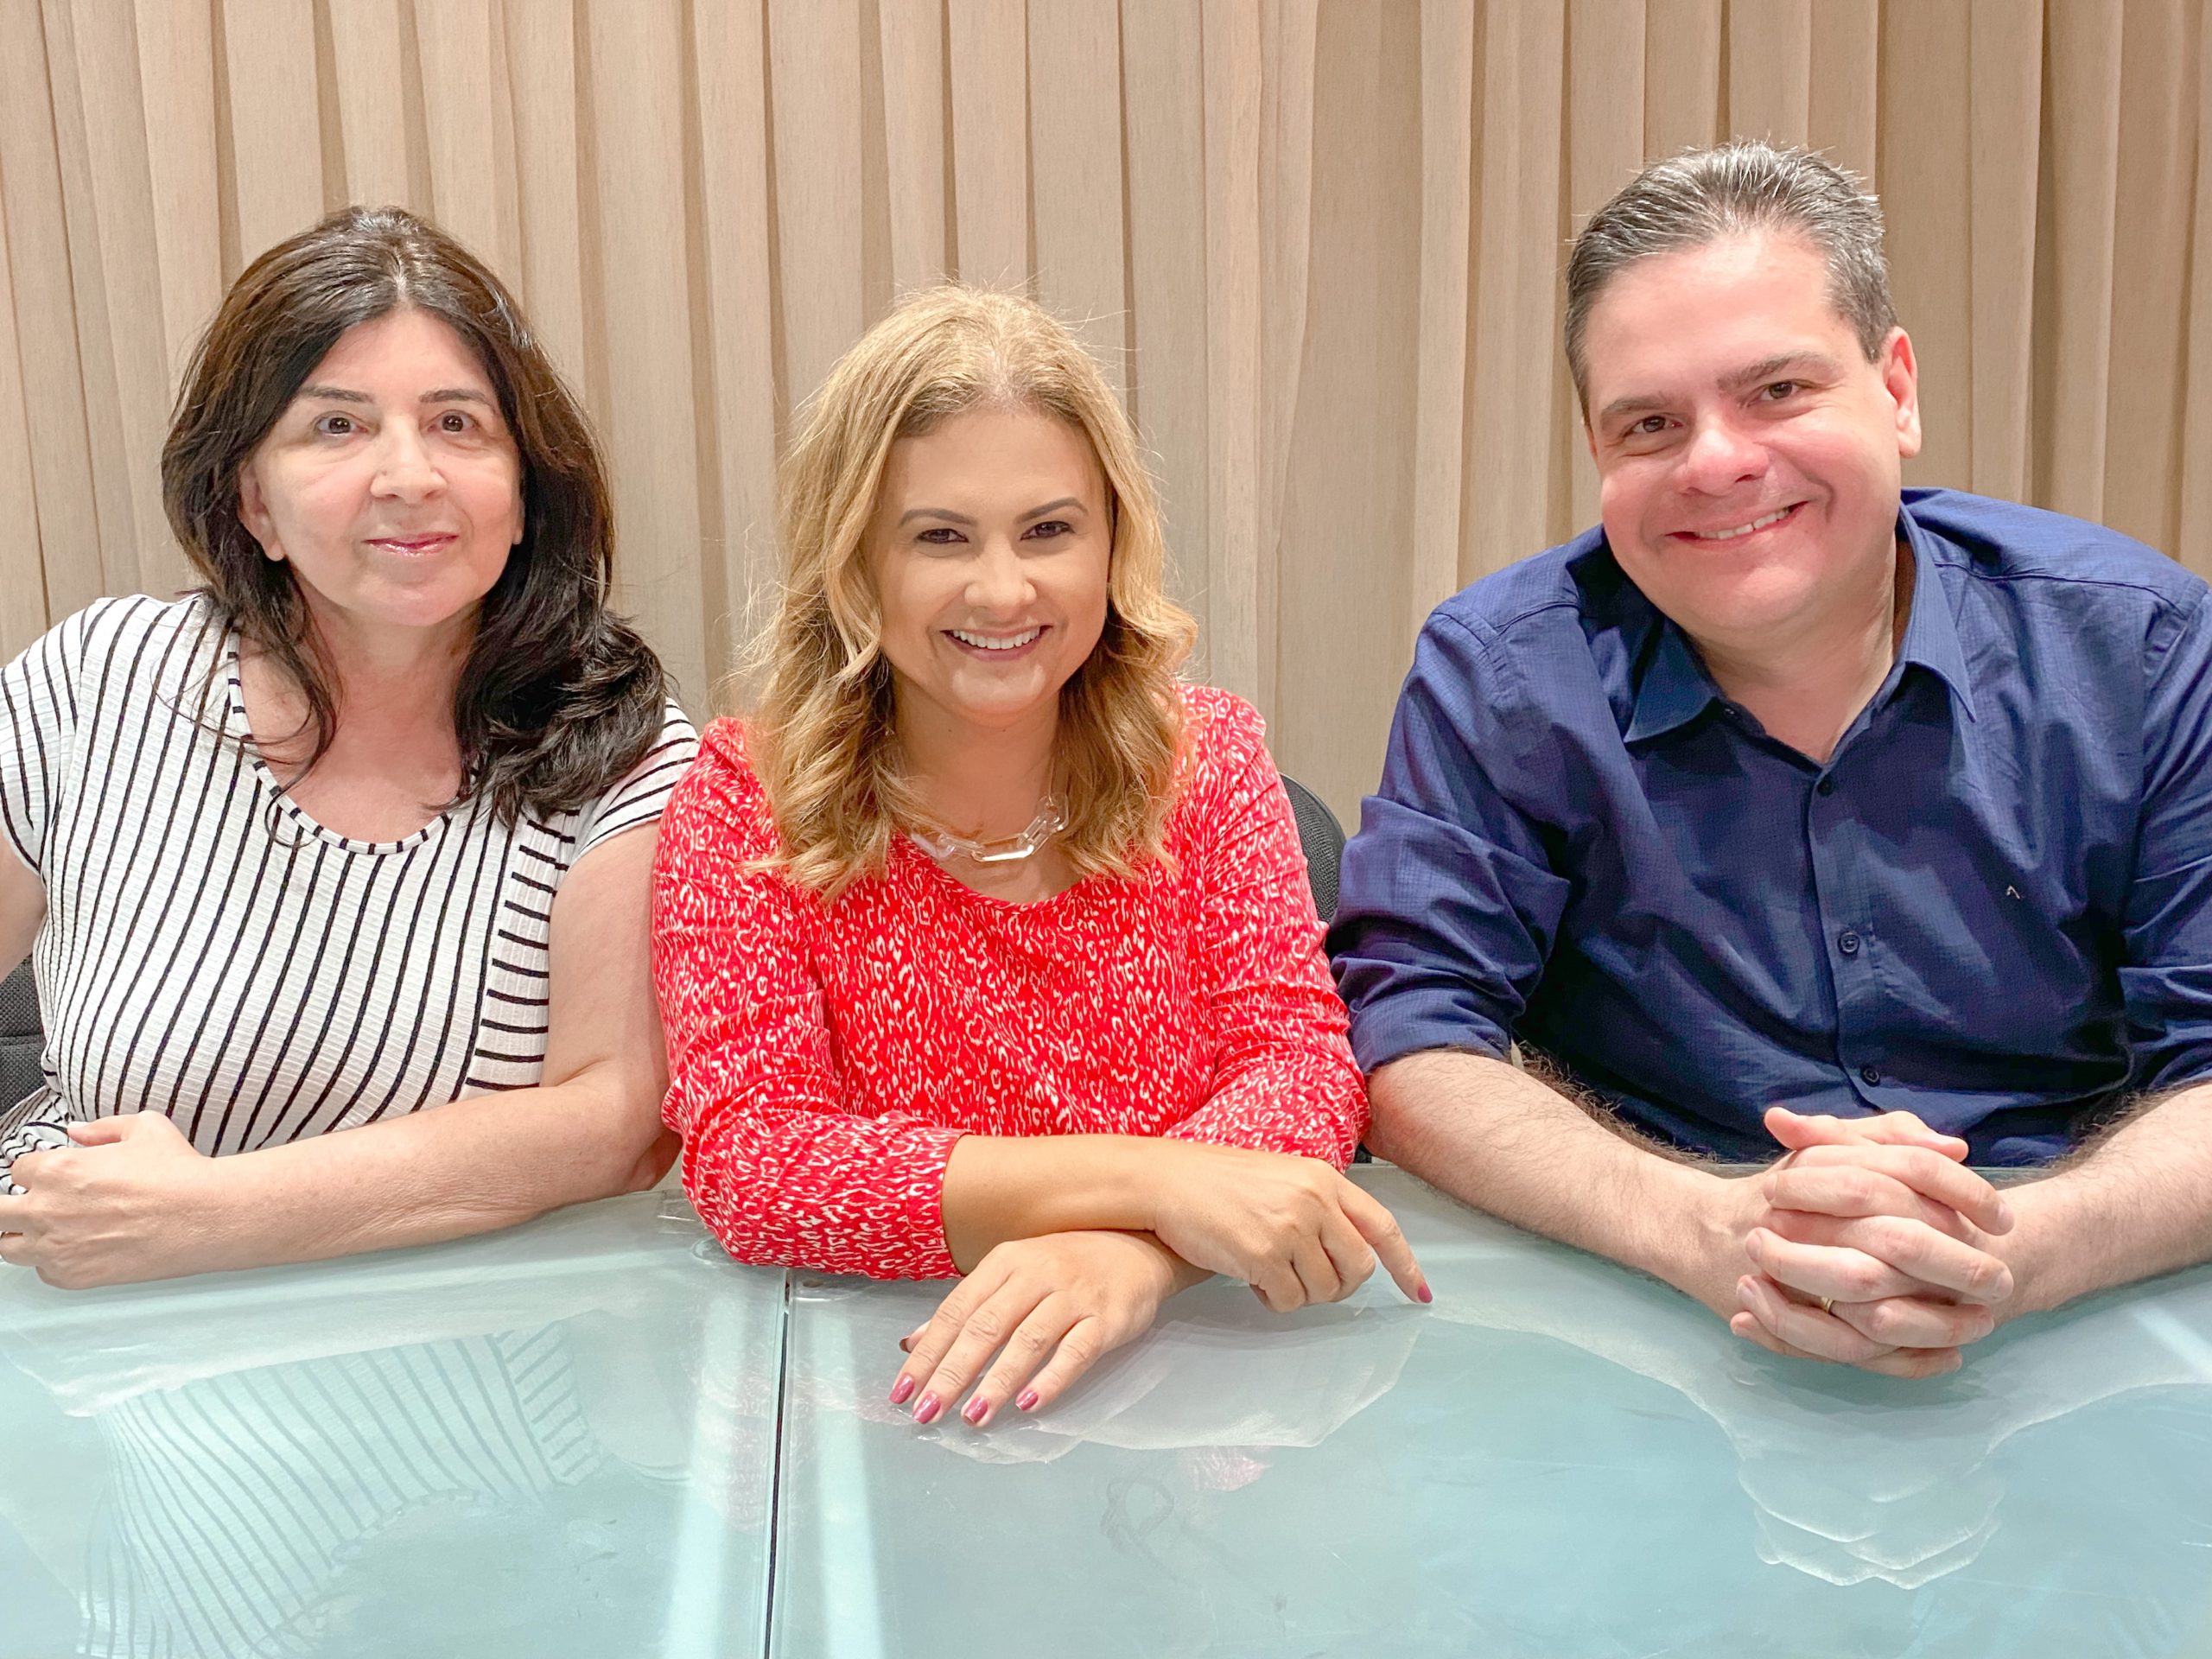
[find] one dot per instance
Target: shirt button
(1870, 1076)
(1826, 786)
(1847, 942)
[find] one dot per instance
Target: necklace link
(941, 843)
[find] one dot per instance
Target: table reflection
(558, 1441)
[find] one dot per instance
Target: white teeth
(986, 642)
(1743, 529)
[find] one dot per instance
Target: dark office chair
(20, 1038)
(1323, 840)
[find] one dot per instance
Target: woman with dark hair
(361, 827)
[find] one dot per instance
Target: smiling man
(1790, 806)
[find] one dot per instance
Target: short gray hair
(1704, 195)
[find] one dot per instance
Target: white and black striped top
(212, 953)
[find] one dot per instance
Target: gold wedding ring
(1828, 1304)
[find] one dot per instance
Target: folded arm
(133, 1200)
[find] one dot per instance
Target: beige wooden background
(1316, 241)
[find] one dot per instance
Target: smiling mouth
(1763, 522)
(411, 546)
(995, 645)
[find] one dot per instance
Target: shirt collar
(1931, 632)
(1676, 688)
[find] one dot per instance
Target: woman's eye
(940, 536)
(454, 421)
(1045, 529)
(335, 426)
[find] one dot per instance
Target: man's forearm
(2137, 1201)
(1501, 1139)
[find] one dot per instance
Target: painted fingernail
(1425, 1293)
(902, 1391)
(906, 1344)
(1026, 1401)
(974, 1411)
(927, 1409)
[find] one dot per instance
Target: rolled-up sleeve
(2167, 971)
(1447, 905)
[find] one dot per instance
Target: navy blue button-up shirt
(1992, 908)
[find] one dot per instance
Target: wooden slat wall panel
(1318, 243)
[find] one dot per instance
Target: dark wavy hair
(558, 697)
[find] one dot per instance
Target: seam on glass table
(776, 1464)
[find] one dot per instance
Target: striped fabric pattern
(212, 953)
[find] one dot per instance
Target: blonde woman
(983, 945)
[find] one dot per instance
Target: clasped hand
(113, 1207)
(1871, 1245)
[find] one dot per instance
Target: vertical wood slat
(1163, 77)
(1075, 147)
(22, 568)
(2193, 536)
(2083, 126)
(1683, 49)
(1505, 493)
(2006, 77)
(47, 343)
(1844, 68)
(1232, 186)
(470, 151)
(94, 341)
(915, 122)
(1771, 70)
(543, 96)
(812, 45)
(1606, 56)
(733, 180)
(636, 51)
(275, 119)
(179, 105)
(2141, 464)
(107, 190)
(368, 80)
(1447, 116)
(987, 56)
(1923, 177)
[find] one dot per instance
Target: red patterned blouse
(824, 1058)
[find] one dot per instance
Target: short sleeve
(38, 729)
(642, 795)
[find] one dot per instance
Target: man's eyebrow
(1768, 368)
(1644, 404)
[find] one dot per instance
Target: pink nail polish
(902, 1391)
(1026, 1400)
(976, 1411)
(1426, 1294)
(926, 1411)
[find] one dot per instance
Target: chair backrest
(20, 1038)
(1323, 839)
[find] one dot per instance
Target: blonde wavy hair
(823, 733)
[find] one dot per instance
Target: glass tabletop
(559, 1439)
(1559, 1458)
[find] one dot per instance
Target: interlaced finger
(1861, 1169)
(1929, 1258)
